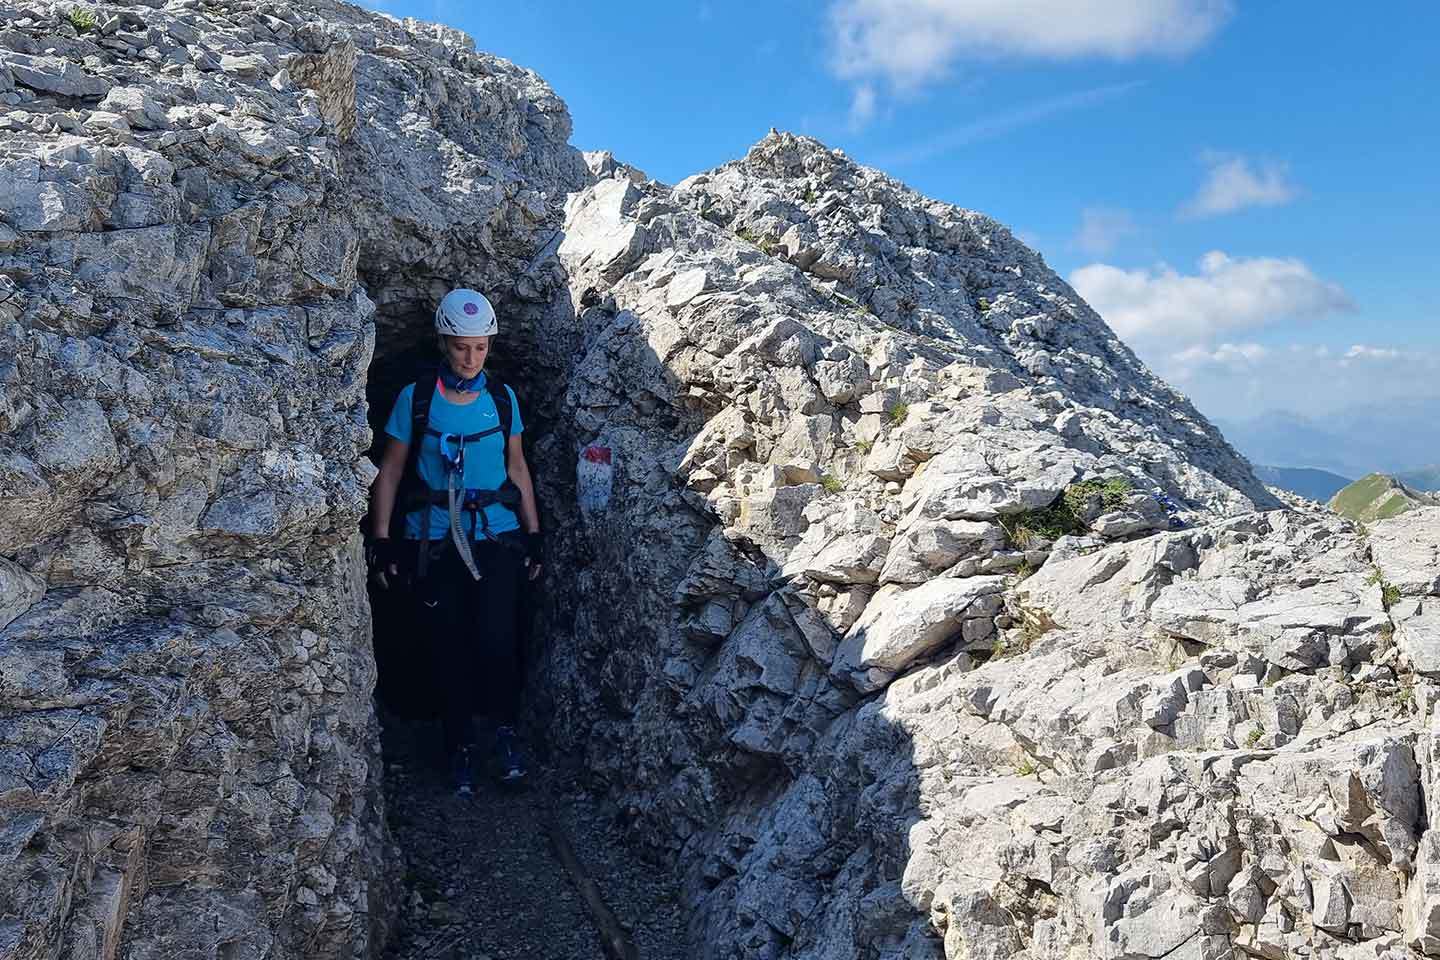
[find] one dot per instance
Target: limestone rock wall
(845, 422)
(190, 197)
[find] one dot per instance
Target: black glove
(535, 548)
(381, 556)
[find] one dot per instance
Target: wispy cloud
(1102, 229)
(1364, 352)
(1228, 294)
(862, 107)
(906, 44)
(1234, 182)
(1000, 124)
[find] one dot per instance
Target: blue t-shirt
(484, 458)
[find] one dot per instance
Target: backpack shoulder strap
(422, 391)
(504, 409)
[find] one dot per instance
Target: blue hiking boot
(509, 759)
(462, 771)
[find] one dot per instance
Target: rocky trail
(483, 878)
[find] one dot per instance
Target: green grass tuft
(1254, 736)
(1025, 768)
(864, 446)
(1389, 595)
(831, 483)
(82, 19)
(899, 411)
(1063, 516)
(766, 244)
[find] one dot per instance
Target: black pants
(469, 636)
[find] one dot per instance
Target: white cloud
(999, 124)
(1101, 228)
(1361, 351)
(1228, 294)
(1231, 356)
(912, 42)
(1234, 182)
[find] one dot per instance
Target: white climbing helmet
(465, 313)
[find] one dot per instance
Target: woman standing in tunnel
(454, 473)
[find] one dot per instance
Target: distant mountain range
(1424, 478)
(1308, 482)
(1393, 439)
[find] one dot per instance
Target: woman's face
(467, 354)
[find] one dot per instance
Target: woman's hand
(534, 553)
(383, 554)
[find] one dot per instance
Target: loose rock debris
(487, 877)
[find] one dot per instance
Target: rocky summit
(896, 609)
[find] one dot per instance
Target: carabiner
(455, 463)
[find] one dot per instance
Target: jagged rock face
(189, 197)
(841, 415)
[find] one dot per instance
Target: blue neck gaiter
(453, 380)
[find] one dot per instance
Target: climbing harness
(455, 497)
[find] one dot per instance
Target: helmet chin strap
(454, 381)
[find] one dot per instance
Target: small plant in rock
(1406, 697)
(1389, 595)
(1254, 736)
(1112, 493)
(983, 305)
(1047, 523)
(1025, 768)
(82, 19)
(899, 411)
(864, 446)
(1034, 624)
(998, 648)
(831, 483)
(1024, 572)
(809, 196)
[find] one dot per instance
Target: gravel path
(483, 882)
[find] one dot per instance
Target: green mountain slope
(1378, 497)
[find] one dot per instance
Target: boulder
(900, 626)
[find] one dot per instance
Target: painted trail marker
(594, 478)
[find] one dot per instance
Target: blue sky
(1249, 192)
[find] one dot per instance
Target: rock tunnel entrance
(407, 353)
(495, 874)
